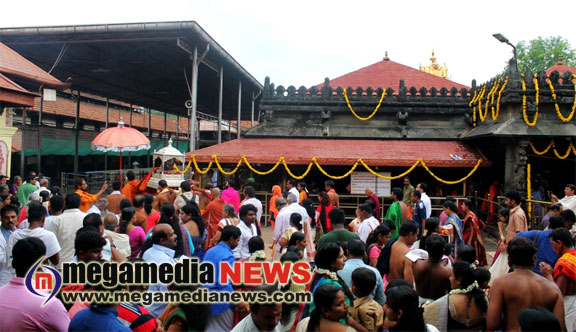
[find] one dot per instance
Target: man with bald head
(213, 212)
(162, 251)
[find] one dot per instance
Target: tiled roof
(12, 63)
(560, 68)
(387, 74)
(342, 152)
(13, 94)
(6, 83)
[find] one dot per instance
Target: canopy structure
(146, 64)
(343, 152)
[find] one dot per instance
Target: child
(483, 277)
(365, 310)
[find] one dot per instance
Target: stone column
(515, 169)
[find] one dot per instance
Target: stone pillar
(515, 169)
(7, 132)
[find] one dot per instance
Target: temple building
(391, 115)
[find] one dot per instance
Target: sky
(302, 42)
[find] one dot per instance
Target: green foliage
(540, 54)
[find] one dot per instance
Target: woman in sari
(464, 308)
(471, 233)
(323, 210)
(276, 192)
(329, 260)
(453, 225)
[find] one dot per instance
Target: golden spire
(434, 68)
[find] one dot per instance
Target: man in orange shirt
(213, 213)
(85, 197)
(132, 188)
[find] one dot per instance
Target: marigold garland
(371, 115)
(185, 169)
(571, 149)
(568, 151)
(452, 182)
(215, 157)
(297, 177)
(359, 161)
(389, 177)
(206, 170)
(333, 176)
(495, 116)
(535, 119)
(556, 106)
(489, 97)
(259, 172)
(544, 151)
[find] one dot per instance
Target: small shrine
(164, 161)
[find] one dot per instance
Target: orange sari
(276, 193)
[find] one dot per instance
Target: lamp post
(505, 40)
(512, 64)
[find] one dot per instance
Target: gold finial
(559, 60)
(433, 58)
(386, 58)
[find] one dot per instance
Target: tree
(540, 54)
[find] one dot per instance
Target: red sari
(473, 237)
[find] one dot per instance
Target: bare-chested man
(431, 277)
(521, 289)
(564, 273)
(400, 265)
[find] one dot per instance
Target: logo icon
(40, 280)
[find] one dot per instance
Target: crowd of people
(397, 268)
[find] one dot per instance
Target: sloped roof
(12, 94)
(12, 63)
(560, 68)
(343, 152)
(387, 73)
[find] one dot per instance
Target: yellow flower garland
(371, 115)
(528, 123)
(297, 177)
(333, 176)
(259, 172)
(544, 151)
(556, 103)
(452, 182)
(568, 151)
(482, 92)
(529, 190)
(495, 116)
(389, 177)
(489, 97)
(185, 169)
(215, 157)
(359, 161)
(571, 149)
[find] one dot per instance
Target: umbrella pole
(121, 177)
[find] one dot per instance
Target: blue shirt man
(162, 251)
(545, 251)
(356, 251)
(221, 314)
(419, 213)
(97, 319)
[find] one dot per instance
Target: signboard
(362, 180)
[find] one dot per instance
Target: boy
(365, 310)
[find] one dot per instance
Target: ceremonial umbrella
(120, 139)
